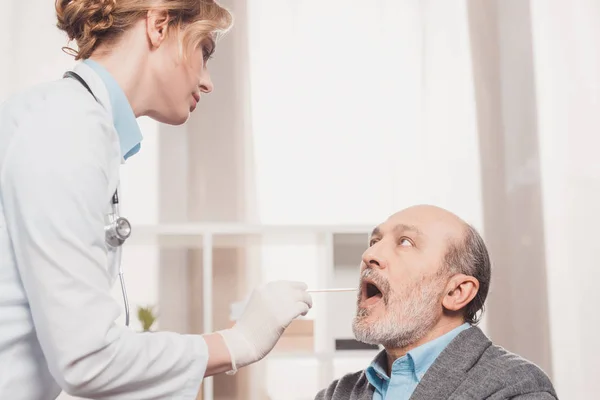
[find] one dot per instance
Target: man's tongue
(373, 294)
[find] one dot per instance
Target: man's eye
(372, 242)
(404, 242)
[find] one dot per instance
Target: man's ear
(157, 23)
(460, 290)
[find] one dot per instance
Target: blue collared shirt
(408, 370)
(126, 125)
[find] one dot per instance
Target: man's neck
(440, 329)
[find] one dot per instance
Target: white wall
(30, 55)
(345, 131)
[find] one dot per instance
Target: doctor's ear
(157, 24)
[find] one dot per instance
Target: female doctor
(60, 150)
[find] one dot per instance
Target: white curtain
(567, 55)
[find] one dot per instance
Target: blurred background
(329, 115)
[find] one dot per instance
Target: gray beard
(408, 317)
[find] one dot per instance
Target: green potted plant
(147, 317)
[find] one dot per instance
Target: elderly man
(424, 279)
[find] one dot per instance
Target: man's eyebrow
(398, 229)
(376, 232)
(401, 228)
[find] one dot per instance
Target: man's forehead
(398, 228)
(422, 221)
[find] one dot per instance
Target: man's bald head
(436, 221)
(426, 264)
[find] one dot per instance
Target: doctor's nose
(206, 85)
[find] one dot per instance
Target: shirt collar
(416, 362)
(375, 372)
(124, 119)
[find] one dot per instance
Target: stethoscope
(118, 228)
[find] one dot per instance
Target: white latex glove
(268, 313)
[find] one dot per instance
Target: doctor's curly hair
(94, 22)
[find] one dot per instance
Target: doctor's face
(181, 82)
(403, 278)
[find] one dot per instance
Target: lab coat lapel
(101, 92)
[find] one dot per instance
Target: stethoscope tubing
(113, 220)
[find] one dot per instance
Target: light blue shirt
(408, 370)
(126, 125)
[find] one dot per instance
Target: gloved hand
(268, 313)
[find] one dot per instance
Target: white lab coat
(59, 166)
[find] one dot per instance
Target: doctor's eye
(207, 52)
(373, 241)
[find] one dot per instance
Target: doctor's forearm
(219, 359)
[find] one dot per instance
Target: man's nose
(373, 259)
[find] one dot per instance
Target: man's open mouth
(371, 293)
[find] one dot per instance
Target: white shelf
(246, 229)
(235, 234)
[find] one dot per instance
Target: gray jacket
(471, 367)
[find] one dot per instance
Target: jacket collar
(452, 365)
(415, 363)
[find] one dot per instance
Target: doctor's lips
(196, 98)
